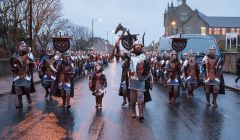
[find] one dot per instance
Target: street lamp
(94, 19)
(173, 25)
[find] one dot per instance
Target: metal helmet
(185, 54)
(212, 48)
(50, 51)
(174, 52)
(137, 42)
(23, 49)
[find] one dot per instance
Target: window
(223, 31)
(184, 17)
(210, 31)
(216, 31)
(232, 30)
(203, 30)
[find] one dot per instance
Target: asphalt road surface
(188, 119)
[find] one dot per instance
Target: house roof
(227, 22)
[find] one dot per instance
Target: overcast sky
(137, 15)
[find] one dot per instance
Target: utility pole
(30, 24)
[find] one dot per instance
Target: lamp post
(30, 23)
(107, 34)
(98, 19)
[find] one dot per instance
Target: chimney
(184, 1)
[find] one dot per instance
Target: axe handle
(116, 47)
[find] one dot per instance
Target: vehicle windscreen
(196, 44)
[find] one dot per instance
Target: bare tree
(47, 21)
(13, 13)
(80, 35)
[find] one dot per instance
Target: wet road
(45, 119)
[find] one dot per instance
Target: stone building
(183, 19)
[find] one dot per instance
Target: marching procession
(59, 67)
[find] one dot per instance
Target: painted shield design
(127, 41)
(143, 70)
(178, 44)
(62, 44)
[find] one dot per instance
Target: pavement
(6, 82)
(230, 82)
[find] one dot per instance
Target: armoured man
(173, 77)
(211, 81)
(124, 90)
(47, 71)
(191, 72)
(22, 77)
(64, 80)
(98, 83)
(138, 66)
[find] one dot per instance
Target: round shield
(143, 70)
(127, 42)
(16, 65)
(178, 44)
(61, 44)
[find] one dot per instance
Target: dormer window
(184, 16)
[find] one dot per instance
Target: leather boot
(140, 107)
(133, 110)
(208, 99)
(20, 104)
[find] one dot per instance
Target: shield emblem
(178, 44)
(16, 65)
(143, 70)
(62, 44)
(128, 40)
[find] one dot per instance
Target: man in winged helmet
(138, 65)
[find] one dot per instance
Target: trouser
(214, 89)
(137, 96)
(20, 91)
(99, 100)
(173, 90)
(190, 88)
(65, 96)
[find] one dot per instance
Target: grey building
(183, 19)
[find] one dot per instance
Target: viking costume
(22, 77)
(138, 67)
(124, 91)
(212, 82)
(47, 72)
(191, 74)
(173, 77)
(64, 86)
(98, 83)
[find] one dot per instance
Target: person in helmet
(173, 77)
(47, 71)
(191, 76)
(138, 65)
(22, 77)
(98, 84)
(124, 90)
(211, 80)
(64, 80)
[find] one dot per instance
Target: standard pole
(92, 33)
(30, 23)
